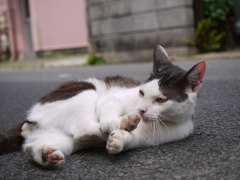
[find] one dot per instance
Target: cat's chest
(127, 97)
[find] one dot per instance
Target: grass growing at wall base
(95, 60)
(19, 65)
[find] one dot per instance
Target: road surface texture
(211, 152)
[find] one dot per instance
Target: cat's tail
(11, 140)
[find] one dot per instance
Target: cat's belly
(72, 116)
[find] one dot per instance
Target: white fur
(65, 126)
(166, 122)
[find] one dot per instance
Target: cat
(116, 112)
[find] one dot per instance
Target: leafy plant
(218, 10)
(211, 32)
(95, 60)
(206, 38)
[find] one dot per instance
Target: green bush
(206, 38)
(95, 60)
(218, 10)
(211, 32)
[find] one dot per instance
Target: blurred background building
(34, 26)
(130, 29)
(125, 30)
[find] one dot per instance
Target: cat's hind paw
(130, 121)
(115, 142)
(45, 156)
(52, 157)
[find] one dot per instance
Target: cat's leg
(147, 135)
(94, 137)
(120, 140)
(126, 137)
(47, 147)
(130, 121)
(109, 110)
(123, 139)
(90, 136)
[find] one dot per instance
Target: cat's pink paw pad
(52, 157)
(130, 121)
(115, 142)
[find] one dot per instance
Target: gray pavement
(211, 152)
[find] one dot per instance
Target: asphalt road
(211, 152)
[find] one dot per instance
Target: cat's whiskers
(161, 121)
(159, 129)
(156, 119)
(165, 126)
(156, 127)
(154, 131)
(166, 118)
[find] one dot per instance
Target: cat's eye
(161, 100)
(141, 93)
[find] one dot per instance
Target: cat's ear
(195, 76)
(160, 58)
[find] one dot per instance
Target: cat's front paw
(115, 142)
(108, 127)
(130, 121)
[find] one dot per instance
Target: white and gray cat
(114, 111)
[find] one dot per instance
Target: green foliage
(95, 60)
(211, 31)
(48, 54)
(214, 40)
(206, 38)
(218, 10)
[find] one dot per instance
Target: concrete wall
(128, 30)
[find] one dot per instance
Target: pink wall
(13, 12)
(58, 24)
(15, 18)
(18, 25)
(3, 6)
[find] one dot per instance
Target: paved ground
(211, 152)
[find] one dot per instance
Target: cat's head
(169, 94)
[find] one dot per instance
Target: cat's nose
(141, 111)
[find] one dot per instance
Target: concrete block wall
(128, 30)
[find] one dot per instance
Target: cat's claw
(52, 157)
(115, 142)
(130, 121)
